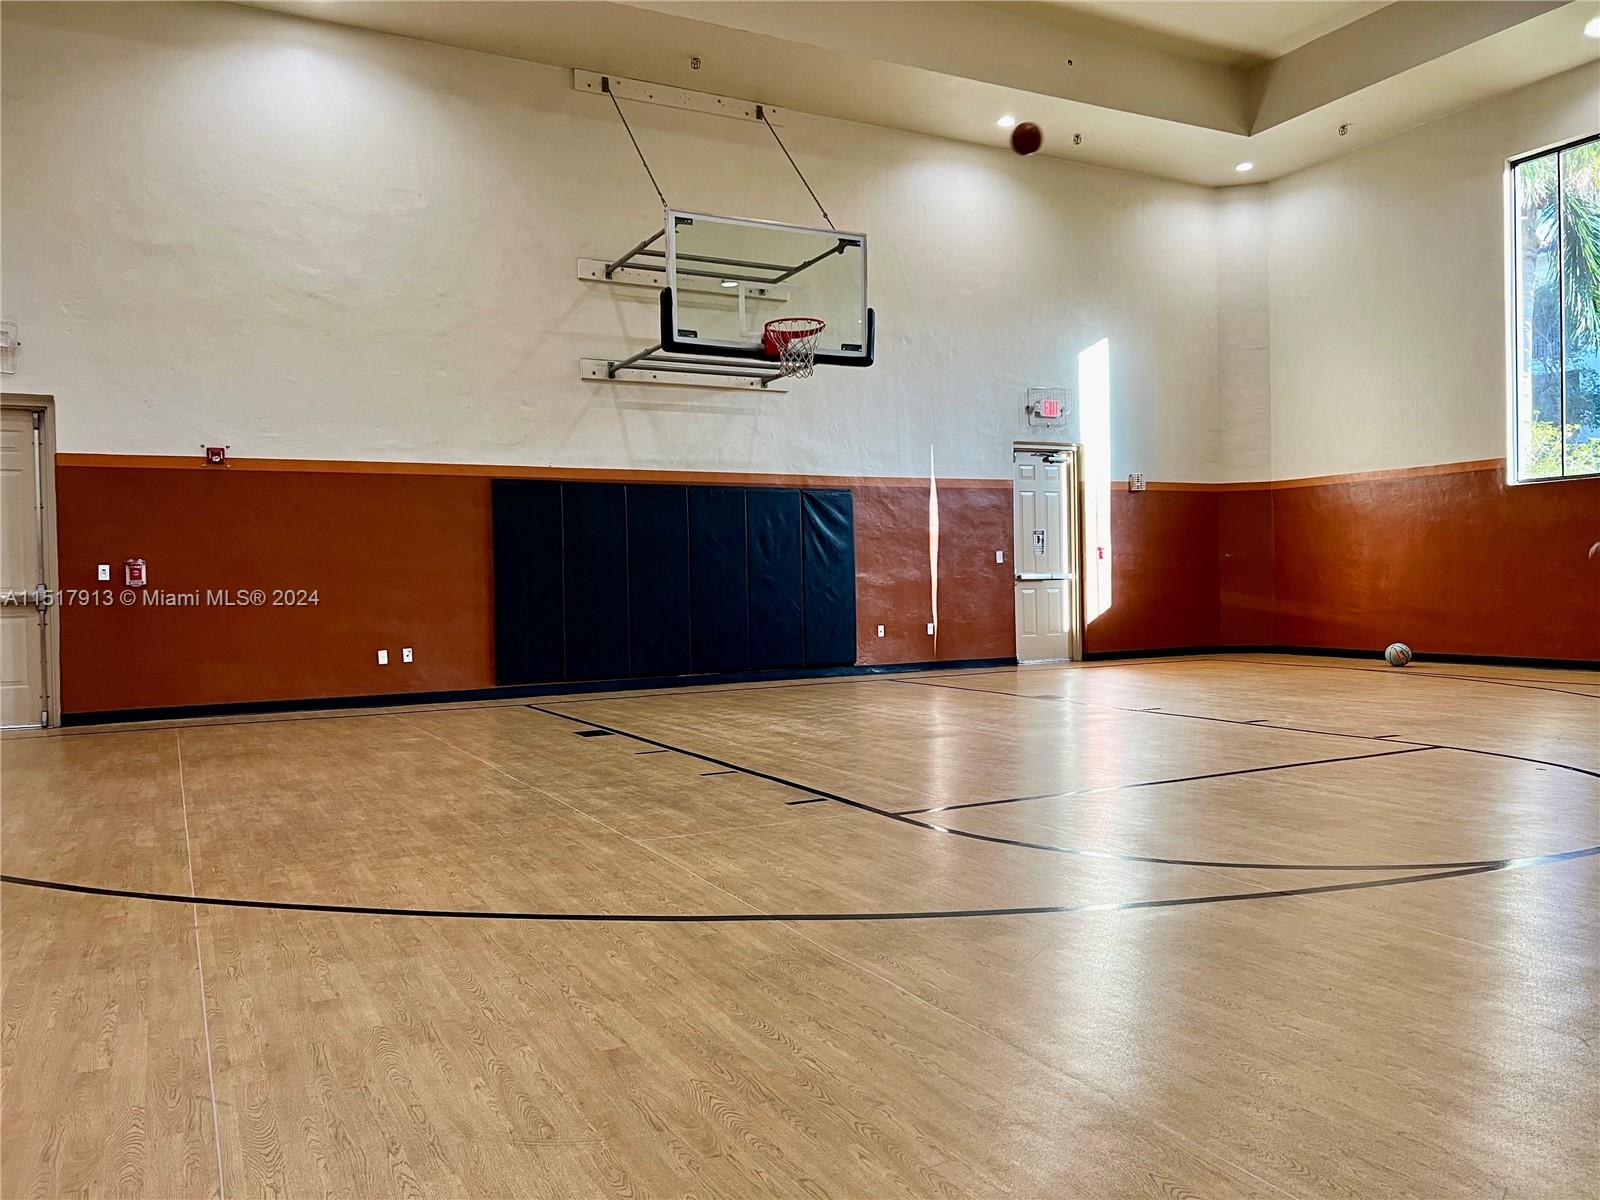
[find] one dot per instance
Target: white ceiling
(1193, 89)
(1239, 32)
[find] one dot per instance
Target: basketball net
(794, 341)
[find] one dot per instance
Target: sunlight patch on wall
(1094, 401)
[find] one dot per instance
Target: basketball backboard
(728, 276)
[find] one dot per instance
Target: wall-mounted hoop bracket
(653, 275)
(652, 366)
(672, 97)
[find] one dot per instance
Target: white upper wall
(228, 226)
(1387, 284)
(1244, 336)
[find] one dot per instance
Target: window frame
(1513, 321)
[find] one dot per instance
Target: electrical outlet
(1136, 482)
(103, 572)
(383, 658)
(405, 655)
(880, 630)
(999, 556)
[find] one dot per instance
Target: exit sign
(1046, 405)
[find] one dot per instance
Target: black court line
(156, 724)
(724, 689)
(1392, 739)
(1164, 712)
(956, 687)
(1045, 847)
(813, 800)
(1225, 654)
(163, 724)
(1537, 687)
(706, 758)
(707, 774)
(1123, 787)
(401, 709)
(1510, 864)
(1541, 762)
(652, 751)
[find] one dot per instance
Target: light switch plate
(880, 630)
(103, 572)
(405, 655)
(383, 658)
(999, 556)
(930, 628)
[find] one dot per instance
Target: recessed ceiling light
(1244, 166)
(730, 283)
(1592, 29)
(1006, 122)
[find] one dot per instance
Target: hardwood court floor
(1223, 927)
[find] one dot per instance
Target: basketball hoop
(793, 341)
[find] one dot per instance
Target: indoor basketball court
(788, 600)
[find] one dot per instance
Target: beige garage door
(22, 668)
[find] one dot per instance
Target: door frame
(46, 406)
(1073, 520)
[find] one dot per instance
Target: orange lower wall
(1450, 560)
(1164, 572)
(1247, 601)
(406, 560)
(893, 574)
(395, 560)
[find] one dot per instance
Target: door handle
(1032, 576)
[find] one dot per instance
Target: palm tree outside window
(1556, 304)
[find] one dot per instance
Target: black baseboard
(1370, 654)
(116, 716)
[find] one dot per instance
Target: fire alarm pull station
(133, 572)
(217, 456)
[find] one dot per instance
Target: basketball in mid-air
(1397, 655)
(1026, 138)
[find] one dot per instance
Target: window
(1555, 244)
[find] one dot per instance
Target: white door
(1045, 555)
(22, 590)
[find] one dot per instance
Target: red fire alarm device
(217, 456)
(133, 572)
